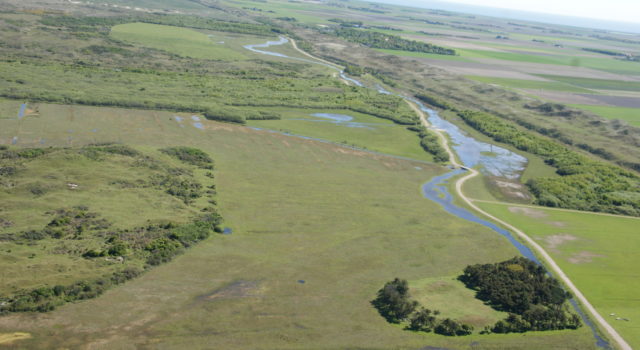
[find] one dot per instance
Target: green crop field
(530, 84)
(183, 41)
(598, 84)
(630, 115)
(598, 253)
(311, 221)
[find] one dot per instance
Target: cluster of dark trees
(385, 41)
(583, 184)
(430, 143)
(394, 303)
(534, 300)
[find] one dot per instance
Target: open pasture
(184, 41)
(598, 252)
(317, 230)
(530, 84)
(362, 131)
(630, 115)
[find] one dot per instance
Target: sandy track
(622, 344)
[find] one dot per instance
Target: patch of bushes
(394, 303)
(24, 153)
(73, 222)
(190, 155)
(436, 102)
(184, 188)
(45, 299)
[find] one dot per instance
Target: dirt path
(295, 46)
(622, 344)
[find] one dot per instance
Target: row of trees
(584, 183)
(394, 303)
(430, 143)
(392, 42)
(535, 301)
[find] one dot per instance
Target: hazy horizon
(528, 15)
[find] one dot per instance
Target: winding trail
(622, 344)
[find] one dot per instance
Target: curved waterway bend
(491, 159)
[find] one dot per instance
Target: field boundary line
(533, 206)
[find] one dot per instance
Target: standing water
(491, 159)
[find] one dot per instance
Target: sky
(616, 15)
(612, 10)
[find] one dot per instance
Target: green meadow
(530, 84)
(630, 115)
(598, 84)
(598, 252)
(317, 230)
(181, 41)
(363, 131)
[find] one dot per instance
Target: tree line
(583, 184)
(534, 300)
(379, 40)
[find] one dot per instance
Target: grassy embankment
(597, 251)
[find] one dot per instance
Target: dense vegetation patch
(430, 143)
(394, 303)
(583, 184)
(114, 251)
(535, 301)
(392, 42)
(191, 156)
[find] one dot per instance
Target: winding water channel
(490, 159)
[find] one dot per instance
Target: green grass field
(598, 84)
(342, 221)
(530, 84)
(599, 253)
(182, 41)
(375, 134)
(630, 115)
